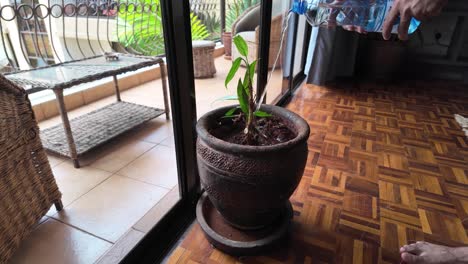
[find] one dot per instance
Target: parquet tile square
(457, 175)
(423, 155)
(395, 235)
(364, 165)
(387, 166)
(364, 111)
(410, 132)
(443, 225)
(362, 143)
(335, 180)
(387, 123)
(427, 183)
(397, 193)
(393, 161)
(406, 116)
(356, 251)
(339, 129)
(343, 115)
(389, 138)
(434, 202)
(359, 227)
(320, 216)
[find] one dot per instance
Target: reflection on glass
(279, 81)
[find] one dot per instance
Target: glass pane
(213, 60)
(280, 52)
(128, 175)
(139, 25)
(299, 54)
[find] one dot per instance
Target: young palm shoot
(245, 91)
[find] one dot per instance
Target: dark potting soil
(269, 131)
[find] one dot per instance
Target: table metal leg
(117, 91)
(67, 127)
(162, 67)
(58, 205)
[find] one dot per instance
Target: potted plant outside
(251, 157)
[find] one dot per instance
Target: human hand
(407, 9)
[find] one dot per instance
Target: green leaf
(262, 114)
(241, 45)
(243, 98)
(249, 74)
(252, 67)
(235, 66)
(231, 112)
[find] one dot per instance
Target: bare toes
(413, 248)
(410, 258)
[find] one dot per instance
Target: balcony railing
(40, 32)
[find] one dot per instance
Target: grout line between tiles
(72, 202)
(82, 230)
(115, 172)
(152, 184)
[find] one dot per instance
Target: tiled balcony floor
(122, 187)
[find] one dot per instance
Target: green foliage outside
(142, 32)
(235, 9)
(212, 22)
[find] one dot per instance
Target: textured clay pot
(251, 185)
(227, 42)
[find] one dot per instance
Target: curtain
(332, 53)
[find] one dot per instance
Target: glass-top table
(68, 74)
(101, 125)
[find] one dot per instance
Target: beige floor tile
(113, 207)
(154, 131)
(116, 154)
(169, 142)
(55, 160)
(73, 183)
(56, 243)
(156, 213)
(157, 166)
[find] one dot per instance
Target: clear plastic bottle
(369, 15)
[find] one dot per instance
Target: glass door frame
(177, 34)
(295, 81)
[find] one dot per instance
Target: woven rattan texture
(203, 62)
(27, 186)
(97, 127)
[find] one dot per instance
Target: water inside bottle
(370, 16)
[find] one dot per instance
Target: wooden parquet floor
(388, 165)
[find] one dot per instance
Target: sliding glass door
(196, 71)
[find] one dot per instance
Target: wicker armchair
(247, 26)
(27, 186)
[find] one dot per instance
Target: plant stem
(250, 125)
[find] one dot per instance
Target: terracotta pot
(227, 41)
(250, 185)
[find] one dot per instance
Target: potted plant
(251, 157)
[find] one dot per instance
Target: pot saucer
(240, 242)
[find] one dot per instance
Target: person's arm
(407, 9)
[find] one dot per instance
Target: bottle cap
(299, 7)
